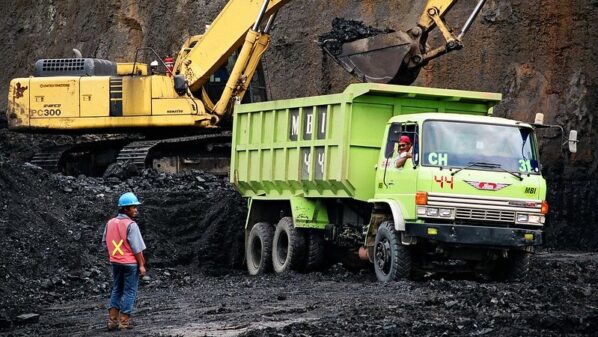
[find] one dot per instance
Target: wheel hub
(382, 255)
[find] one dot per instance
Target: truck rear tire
(392, 260)
(288, 252)
(258, 249)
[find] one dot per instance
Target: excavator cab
(396, 56)
(256, 91)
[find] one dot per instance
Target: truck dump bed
(328, 146)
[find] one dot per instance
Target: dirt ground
(560, 300)
(52, 265)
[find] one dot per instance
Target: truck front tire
(258, 249)
(288, 252)
(392, 260)
(514, 268)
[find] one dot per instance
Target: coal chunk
(344, 30)
(27, 319)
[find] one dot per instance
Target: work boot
(113, 318)
(125, 322)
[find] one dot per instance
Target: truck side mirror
(539, 120)
(573, 141)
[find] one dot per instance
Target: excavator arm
(202, 55)
(397, 57)
(386, 58)
(238, 24)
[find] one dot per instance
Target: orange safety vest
(119, 249)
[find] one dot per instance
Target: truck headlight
(530, 219)
(432, 211)
(534, 219)
(446, 212)
(435, 212)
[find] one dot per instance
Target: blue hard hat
(128, 199)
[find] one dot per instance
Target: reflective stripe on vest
(116, 241)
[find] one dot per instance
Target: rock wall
(541, 55)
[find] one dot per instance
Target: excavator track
(136, 152)
(87, 158)
(209, 152)
(49, 159)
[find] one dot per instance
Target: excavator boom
(200, 59)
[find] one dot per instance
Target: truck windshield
(479, 146)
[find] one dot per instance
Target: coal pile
(51, 227)
(344, 30)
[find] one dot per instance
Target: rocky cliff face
(541, 55)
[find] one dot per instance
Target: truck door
(400, 182)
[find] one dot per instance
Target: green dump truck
(321, 176)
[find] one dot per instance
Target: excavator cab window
(257, 88)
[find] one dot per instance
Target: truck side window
(394, 134)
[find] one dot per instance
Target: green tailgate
(328, 146)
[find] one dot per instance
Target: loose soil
(52, 264)
(559, 301)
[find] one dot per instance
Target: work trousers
(125, 280)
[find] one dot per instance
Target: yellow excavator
(183, 121)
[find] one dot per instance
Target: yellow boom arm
(203, 55)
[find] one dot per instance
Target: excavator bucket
(379, 59)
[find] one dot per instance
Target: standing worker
(125, 246)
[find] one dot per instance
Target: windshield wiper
(488, 165)
(472, 164)
(515, 174)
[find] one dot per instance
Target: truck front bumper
(475, 235)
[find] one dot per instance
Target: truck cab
(471, 181)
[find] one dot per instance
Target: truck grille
(476, 208)
(484, 215)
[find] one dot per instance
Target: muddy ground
(560, 301)
(52, 266)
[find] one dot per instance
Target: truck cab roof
(458, 117)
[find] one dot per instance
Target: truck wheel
(392, 260)
(288, 252)
(315, 250)
(519, 266)
(259, 249)
(513, 269)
